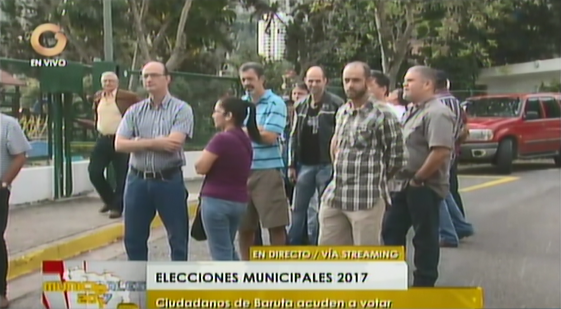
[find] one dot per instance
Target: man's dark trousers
(4, 201)
(143, 198)
(455, 186)
(102, 156)
(416, 207)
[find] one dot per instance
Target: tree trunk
(178, 53)
(138, 15)
(133, 77)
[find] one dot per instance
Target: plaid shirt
(370, 147)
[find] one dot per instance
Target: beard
(356, 94)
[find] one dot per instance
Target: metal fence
(39, 113)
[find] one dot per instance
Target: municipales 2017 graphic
(88, 285)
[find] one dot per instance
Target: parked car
(508, 127)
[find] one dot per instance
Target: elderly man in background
(109, 106)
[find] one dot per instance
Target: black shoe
(104, 209)
(444, 244)
(113, 214)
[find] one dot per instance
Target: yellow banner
(458, 298)
(327, 253)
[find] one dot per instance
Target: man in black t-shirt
(309, 159)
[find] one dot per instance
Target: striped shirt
(145, 121)
(369, 148)
(271, 116)
(12, 142)
(453, 103)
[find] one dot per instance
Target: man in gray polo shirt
(13, 148)
(428, 131)
(154, 131)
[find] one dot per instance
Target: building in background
(271, 31)
(271, 36)
(521, 77)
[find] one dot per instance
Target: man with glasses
(154, 132)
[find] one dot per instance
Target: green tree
(178, 32)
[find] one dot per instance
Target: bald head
(419, 83)
(359, 65)
(355, 80)
(316, 80)
(156, 66)
(155, 77)
(109, 81)
(427, 73)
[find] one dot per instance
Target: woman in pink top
(226, 164)
(399, 105)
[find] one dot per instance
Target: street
(514, 255)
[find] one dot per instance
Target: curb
(32, 260)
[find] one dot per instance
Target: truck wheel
(557, 159)
(505, 156)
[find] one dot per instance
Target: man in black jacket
(309, 157)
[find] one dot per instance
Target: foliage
(553, 86)
(30, 93)
(180, 32)
(458, 36)
(35, 127)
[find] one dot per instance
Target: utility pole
(107, 31)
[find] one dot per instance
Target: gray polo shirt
(424, 127)
(12, 142)
(145, 121)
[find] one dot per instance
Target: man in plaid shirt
(367, 150)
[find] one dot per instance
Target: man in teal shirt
(268, 204)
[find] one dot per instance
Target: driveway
(514, 255)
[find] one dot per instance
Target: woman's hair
(302, 85)
(241, 110)
(400, 99)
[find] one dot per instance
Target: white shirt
(399, 110)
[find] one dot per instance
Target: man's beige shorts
(347, 228)
(268, 203)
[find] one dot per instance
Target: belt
(159, 175)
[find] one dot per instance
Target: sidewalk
(63, 229)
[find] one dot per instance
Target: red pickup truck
(508, 127)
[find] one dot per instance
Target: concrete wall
(35, 184)
(521, 77)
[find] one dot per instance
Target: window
(502, 107)
(533, 105)
(552, 107)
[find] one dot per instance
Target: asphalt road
(515, 254)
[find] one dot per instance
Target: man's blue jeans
(313, 221)
(142, 199)
(311, 180)
(221, 219)
(453, 225)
